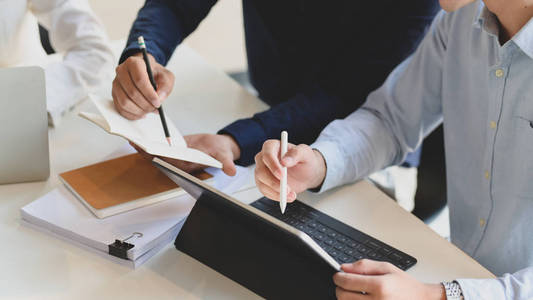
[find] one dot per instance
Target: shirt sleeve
(515, 286)
(87, 62)
(303, 116)
(394, 119)
(164, 24)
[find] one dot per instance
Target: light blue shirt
(484, 94)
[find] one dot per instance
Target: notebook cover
(120, 180)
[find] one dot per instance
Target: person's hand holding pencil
(133, 94)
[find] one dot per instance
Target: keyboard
(343, 243)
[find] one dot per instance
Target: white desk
(34, 265)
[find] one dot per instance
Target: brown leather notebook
(121, 184)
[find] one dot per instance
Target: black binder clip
(120, 248)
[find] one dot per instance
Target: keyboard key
(362, 249)
(373, 245)
(334, 253)
(407, 261)
(332, 234)
(385, 251)
(372, 255)
(350, 252)
(342, 239)
(351, 243)
(339, 246)
(328, 241)
(312, 224)
(345, 258)
(396, 257)
(319, 236)
(322, 229)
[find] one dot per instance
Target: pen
(140, 40)
(283, 183)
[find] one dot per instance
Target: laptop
(278, 256)
(23, 125)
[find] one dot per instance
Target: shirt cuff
(482, 289)
(133, 47)
(249, 136)
(334, 164)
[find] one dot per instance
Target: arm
(88, 60)
(164, 24)
(341, 83)
(394, 119)
(510, 286)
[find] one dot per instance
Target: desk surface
(38, 266)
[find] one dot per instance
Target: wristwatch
(453, 290)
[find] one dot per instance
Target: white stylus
(283, 183)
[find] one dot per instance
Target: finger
(126, 80)
(264, 175)
(165, 82)
(125, 103)
(343, 294)
(267, 191)
(369, 267)
(149, 100)
(228, 166)
(121, 100)
(356, 282)
(270, 157)
(295, 155)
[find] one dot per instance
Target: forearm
(355, 147)
(303, 116)
(164, 24)
(87, 61)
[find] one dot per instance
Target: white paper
(60, 212)
(147, 133)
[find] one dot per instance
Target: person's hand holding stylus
(306, 169)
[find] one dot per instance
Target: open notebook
(147, 133)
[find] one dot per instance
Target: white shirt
(483, 93)
(75, 32)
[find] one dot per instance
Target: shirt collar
(487, 21)
(524, 38)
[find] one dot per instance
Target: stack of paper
(61, 214)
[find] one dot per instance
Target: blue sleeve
(164, 24)
(303, 116)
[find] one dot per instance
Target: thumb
(294, 155)
(368, 267)
(228, 166)
(165, 83)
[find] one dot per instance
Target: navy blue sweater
(311, 61)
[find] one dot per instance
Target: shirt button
(493, 124)
(487, 175)
(499, 73)
(482, 222)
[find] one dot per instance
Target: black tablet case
(246, 248)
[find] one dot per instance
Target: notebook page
(146, 130)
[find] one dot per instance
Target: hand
(220, 146)
(382, 280)
(132, 91)
(306, 169)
